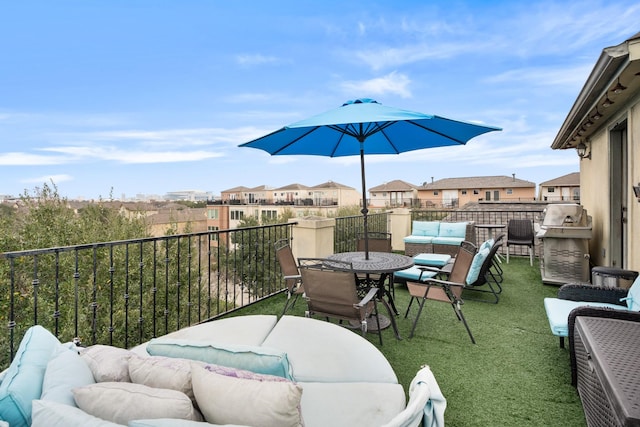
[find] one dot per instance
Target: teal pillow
(453, 229)
(65, 371)
(53, 414)
(487, 244)
(23, 381)
(476, 265)
(261, 360)
(633, 296)
(425, 228)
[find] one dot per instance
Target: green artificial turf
(516, 374)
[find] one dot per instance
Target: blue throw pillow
(261, 360)
(476, 265)
(23, 381)
(453, 229)
(425, 228)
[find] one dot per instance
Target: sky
(119, 98)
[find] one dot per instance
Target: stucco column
(399, 227)
(313, 237)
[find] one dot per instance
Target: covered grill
(565, 232)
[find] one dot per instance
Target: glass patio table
(376, 269)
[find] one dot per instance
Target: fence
(126, 292)
(500, 217)
(348, 229)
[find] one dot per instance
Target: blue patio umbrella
(364, 126)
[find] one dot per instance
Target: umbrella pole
(364, 203)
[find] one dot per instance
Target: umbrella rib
(295, 140)
(436, 132)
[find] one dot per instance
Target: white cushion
(47, 413)
(228, 400)
(325, 352)
(162, 372)
(169, 422)
(122, 402)
(23, 381)
(65, 371)
(350, 404)
(107, 363)
(242, 330)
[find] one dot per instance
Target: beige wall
(595, 192)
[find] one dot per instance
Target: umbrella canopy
(364, 126)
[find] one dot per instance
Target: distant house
(244, 195)
(565, 188)
(332, 193)
(393, 194)
(453, 192)
(602, 126)
(292, 194)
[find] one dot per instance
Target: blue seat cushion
(418, 239)
(455, 241)
(413, 273)
(558, 312)
(432, 260)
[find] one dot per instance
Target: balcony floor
(516, 374)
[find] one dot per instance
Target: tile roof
(395, 185)
(501, 181)
(571, 179)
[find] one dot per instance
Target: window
(463, 192)
(551, 189)
(213, 213)
(509, 190)
(496, 195)
(476, 192)
(237, 215)
(213, 236)
(435, 193)
(270, 214)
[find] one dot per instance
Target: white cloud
(393, 83)
(29, 159)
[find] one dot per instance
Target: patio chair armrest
(444, 283)
(368, 298)
(295, 276)
(589, 293)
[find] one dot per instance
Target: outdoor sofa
(245, 370)
(438, 237)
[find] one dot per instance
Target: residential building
(565, 188)
(454, 192)
(332, 193)
(293, 194)
(244, 195)
(602, 126)
(393, 194)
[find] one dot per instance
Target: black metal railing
(348, 228)
(126, 292)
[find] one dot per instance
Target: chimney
(514, 176)
(432, 180)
